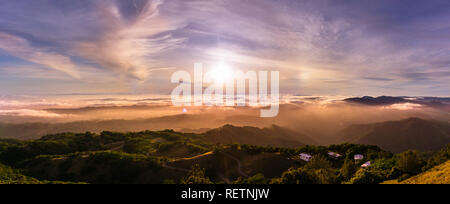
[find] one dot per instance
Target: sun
(221, 73)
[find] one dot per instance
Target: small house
(334, 155)
(359, 157)
(305, 157)
(367, 164)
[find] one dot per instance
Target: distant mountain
(434, 102)
(440, 99)
(273, 136)
(398, 136)
(25, 131)
(382, 100)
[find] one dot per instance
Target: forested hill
(171, 157)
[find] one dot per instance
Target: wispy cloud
(120, 36)
(127, 44)
(361, 47)
(21, 48)
(30, 113)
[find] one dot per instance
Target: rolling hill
(398, 136)
(272, 136)
(11, 176)
(167, 156)
(438, 175)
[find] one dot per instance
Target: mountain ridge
(269, 136)
(398, 136)
(433, 102)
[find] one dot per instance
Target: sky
(320, 47)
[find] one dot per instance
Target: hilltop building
(359, 157)
(305, 157)
(367, 164)
(334, 155)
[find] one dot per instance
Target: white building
(305, 157)
(367, 164)
(359, 157)
(334, 155)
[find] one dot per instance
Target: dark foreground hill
(398, 136)
(273, 136)
(156, 157)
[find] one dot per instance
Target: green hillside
(154, 157)
(437, 175)
(12, 176)
(9, 175)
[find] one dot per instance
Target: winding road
(226, 180)
(238, 162)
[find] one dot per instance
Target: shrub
(256, 179)
(296, 176)
(366, 176)
(196, 176)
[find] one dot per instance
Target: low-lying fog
(318, 117)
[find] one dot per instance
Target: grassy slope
(11, 176)
(437, 175)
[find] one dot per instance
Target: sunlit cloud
(323, 47)
(404, 106)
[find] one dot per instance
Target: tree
(348, 170)
(196, 176)
(322, 170)
(409, 162)
(318, 162)
(296, 176)
(325, 176)
(257, 179)
(366, 176)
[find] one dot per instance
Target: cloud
(122, 37)
(129, 40)
(21, 48)
(360, 46)
(378, 79)
(30, 113)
